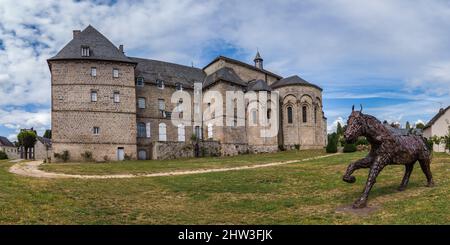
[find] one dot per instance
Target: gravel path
(31, 169)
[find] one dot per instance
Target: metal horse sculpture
(387, 147)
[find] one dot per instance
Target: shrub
(349, 148)
(127, 157)
(297, 147)
(105, 158)
(281, 148)
(429, 143)
(332, 143)
(64, 155)
(3, 155)
(362, 141)
(87, 156)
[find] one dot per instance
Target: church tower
(258, 61)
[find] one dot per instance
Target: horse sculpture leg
(373, 173)
(408, 170)
(425, 165)
(361, 163)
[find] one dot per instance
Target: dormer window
(85, 52)
(140, 82)
(179, 86)
(160, 84)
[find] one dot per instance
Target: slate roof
(5, 142)
(45, 141)
(258, 56)
(225, 74)
(170, 73)
(230, 60)
(293, 80)
(436, 117)
(258, 85)
(100, 48)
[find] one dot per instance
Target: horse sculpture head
(355, 125)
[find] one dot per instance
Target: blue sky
(390, 56)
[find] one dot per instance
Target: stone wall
(174, 150)
(41, 151)
(74, 115)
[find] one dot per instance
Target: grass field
(299, 193)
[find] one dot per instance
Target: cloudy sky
(391, 56)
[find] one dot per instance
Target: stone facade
(139, 124)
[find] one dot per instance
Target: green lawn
(154, 166)
(298, 193)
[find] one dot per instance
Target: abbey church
(119, 107)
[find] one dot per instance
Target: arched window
(181, 133)
(304, 114)
(269, 113)
(162, 132)
(315, 114)
(210, 130)
(289, 114)
(142, 132)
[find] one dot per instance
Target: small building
(9, 148)
(43, 148)
(439, 126)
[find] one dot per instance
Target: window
(254, 116)
(85, 52)
(304, 114)
(162, 132)
(162, 107)
(116, 97)
(93, 71)
(160, 84)
(96, 130)
(93, 96)
(141, 130)
(210, 130)
(269, 112)
(180, 114)
(141, 103)
(179, 86)
(289, 114)
(315, 114)
(140, 82)
(115, 73)
(181, 133)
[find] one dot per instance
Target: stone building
(9, 148)
(117, 106)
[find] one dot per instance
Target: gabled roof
(100, 48)
(170, 73)
(436, 117)
(5, 142)
(230, 60)
(293, 80)
(45, 141)
(225, 74)
(258, 85)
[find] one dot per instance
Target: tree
(48, 134)
(27, 139)
(420, 125)
(332, 143)
(407, 126)
(339, 129)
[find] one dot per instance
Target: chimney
(121, 48)
(76, 33)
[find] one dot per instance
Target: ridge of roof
(293, 80)
(436, 117)
(242, 64)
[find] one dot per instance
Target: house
(9, 148)
(42, 148)
(439, 126)
(116, 106)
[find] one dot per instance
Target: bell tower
(258, 61)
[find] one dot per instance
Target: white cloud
(333, 126)
(18, 119)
